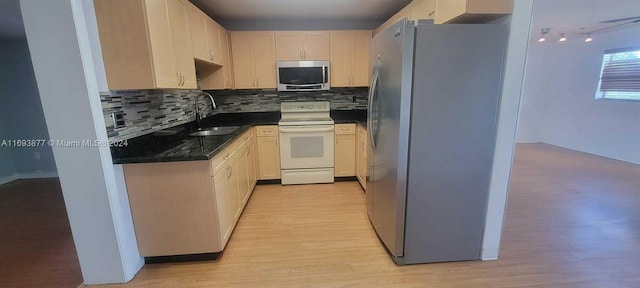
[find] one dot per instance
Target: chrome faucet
(213, 103)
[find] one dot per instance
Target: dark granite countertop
(175, 144)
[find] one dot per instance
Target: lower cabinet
(361, 155)
(268, 152)
(191, 207)
(345, 150)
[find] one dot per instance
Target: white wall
(516, 61)
(22, 112)
(7, 169)
(98, 209)
(559, 108)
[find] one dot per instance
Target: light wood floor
(573, 220)
(36, 247)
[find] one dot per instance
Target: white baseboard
(33, 175)
(36, 175)
(7, 179)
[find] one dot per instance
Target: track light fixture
(543, 32)
(589, 39)
(562, 38)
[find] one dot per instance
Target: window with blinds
(620, 76)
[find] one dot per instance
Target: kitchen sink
(215, 131)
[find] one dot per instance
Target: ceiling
(11, 19)
(300, 14)
(568, 16)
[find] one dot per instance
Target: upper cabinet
(205, 38)
(146, 44)
(254, 59)
(297, 45)
(451, 11)
(423, 9)
(350, 58)
(471, 11)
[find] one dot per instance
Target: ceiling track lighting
(589, 39)
(543, 32)
(562, 38)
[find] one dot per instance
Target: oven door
(304, 147)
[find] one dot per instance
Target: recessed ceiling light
(562, 38)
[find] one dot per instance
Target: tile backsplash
(147, 111)
(269, 100)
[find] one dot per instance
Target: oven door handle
(305, 130)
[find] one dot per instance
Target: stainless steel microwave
(303, 75)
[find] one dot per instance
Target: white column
(60, 44)
(507, 124)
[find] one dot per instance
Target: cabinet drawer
(264, 131)
(345, 129)
(219, 161)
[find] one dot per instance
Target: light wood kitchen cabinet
(350, 58)
(174, 208)
(423, 9)
(268, 152)
(204, 36)
(214, 77)
(146, 44)
(302, 45)
(361, 155)
(190, 207)
(254, 63)
(345, 150)
(471, 11)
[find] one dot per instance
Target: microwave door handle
(305, 130)
(324, 74)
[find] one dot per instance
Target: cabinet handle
(229, 171)
(254, 83)
(183, 79)
(226, 156)
(179, 79)
(258, 83)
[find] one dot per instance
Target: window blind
(620, 77)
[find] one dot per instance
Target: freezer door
(388, 124)
(457, 84)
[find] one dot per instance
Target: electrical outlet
(36, 155)
(118, 120)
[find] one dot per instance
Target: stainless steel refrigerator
(432, 116)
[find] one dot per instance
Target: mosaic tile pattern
(147, 111)
(269, 100)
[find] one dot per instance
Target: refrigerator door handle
(372, 94)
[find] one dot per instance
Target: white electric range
(306, 142)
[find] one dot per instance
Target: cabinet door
(226, 58)
(269, 158)
(242, 59)
(264, 59)
(345, 155)
(197, 23)
(341, 58)
(179, 20)
(165, 68)
(251, 165)
(423, 9)
(243, 175)
(234, 191)
(213, 42)
(316, 45)
(222, 204)
(360, 68)
(288, 45)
